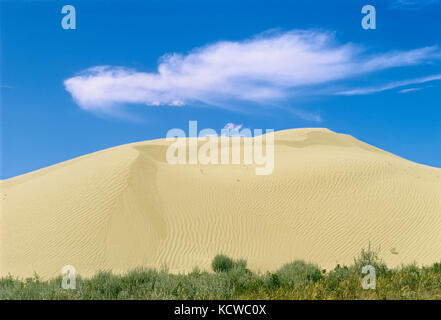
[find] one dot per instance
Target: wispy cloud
(410, 90)
(232, 127)
(262, 70)
(231, 130)
(412, 4)
(389, 86)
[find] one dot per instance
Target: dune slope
(329, 196)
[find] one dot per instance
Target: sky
(133, 70)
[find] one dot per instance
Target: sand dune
(328, 197)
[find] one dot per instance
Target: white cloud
(232, 130)
(263, 70)
(392, 85)
(409, 90)
(229, 130)
(412, 4)
(231, 126)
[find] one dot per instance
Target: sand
(329, 196)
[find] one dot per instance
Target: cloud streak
(264, 69)
(389, 86)
(410, 90)
(412, 4)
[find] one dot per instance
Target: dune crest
(329, 196)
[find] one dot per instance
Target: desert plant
(222, 263)
(299, 272)
(369, 257)
(296, 280)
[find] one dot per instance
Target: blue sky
(262, 64)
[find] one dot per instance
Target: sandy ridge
(329, 196)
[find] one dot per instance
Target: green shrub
(241, 264)
(339, 273)
(272, 280)
(436, 267)
(299, 272)
(296, 280)
(369, 257)
(222, 263)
